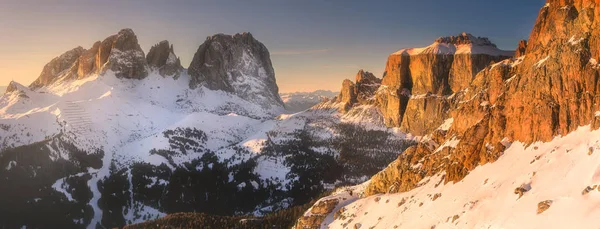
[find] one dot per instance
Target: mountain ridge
(116, 147)
(525, 114)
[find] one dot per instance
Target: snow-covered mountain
(517, 148)
(300, 101)
(108, 136)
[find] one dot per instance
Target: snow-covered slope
(562, 172)
(126, 119)
(129, 142)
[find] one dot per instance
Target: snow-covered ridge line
(462, 44)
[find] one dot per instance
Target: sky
(314, 44)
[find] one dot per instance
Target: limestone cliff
(57, 66)
(119, 53)
(550, 90)
(361, 91)
(239, 64)
(443, 68)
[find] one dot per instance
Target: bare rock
(57, 67)
(162, 58)
(318, 213)
(423, 114)
(366, 86)
(521, 49)
(238, 64)
(447, 66)
(324, 207)
(347, 95)
(543, 206)
(119, 53)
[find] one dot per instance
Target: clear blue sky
(315, 44)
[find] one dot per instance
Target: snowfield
(564, 172)
(127, 119)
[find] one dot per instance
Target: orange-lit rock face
(120, 53)
(521, 49)
(361, 91)
(556, 86)
(447, 66)
(550, 90)
(54, 68)
(366, 86)
(347, 94)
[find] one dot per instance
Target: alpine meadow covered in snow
(457, 132)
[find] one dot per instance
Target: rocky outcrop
(443, 68)
(521, 49)
(162, 58)
(119, 53)
(317, 215)
(122, 54)
(550, 90)
(362, 91)
(238, 64)
(14, 86)
(347, 95)
(425, 113)
(366, 86)
(57, 66)
(543, 206)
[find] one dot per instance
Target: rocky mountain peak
(119, 53)
(362, 91)
(366, 86)
(162, 58)
(347, 95)
(57, 66)
(122, 54)
(14, 86)
(239, 64)
(465, 39)
(366, 77)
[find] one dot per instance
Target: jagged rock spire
(162, 57)
(521, 49)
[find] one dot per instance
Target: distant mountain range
(299, 101)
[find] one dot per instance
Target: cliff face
(119, 53)
(57, 66)
(162, 58)
(360, 92)
(521, 49)
(238, 64)
(550, 90)
(443, 68)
